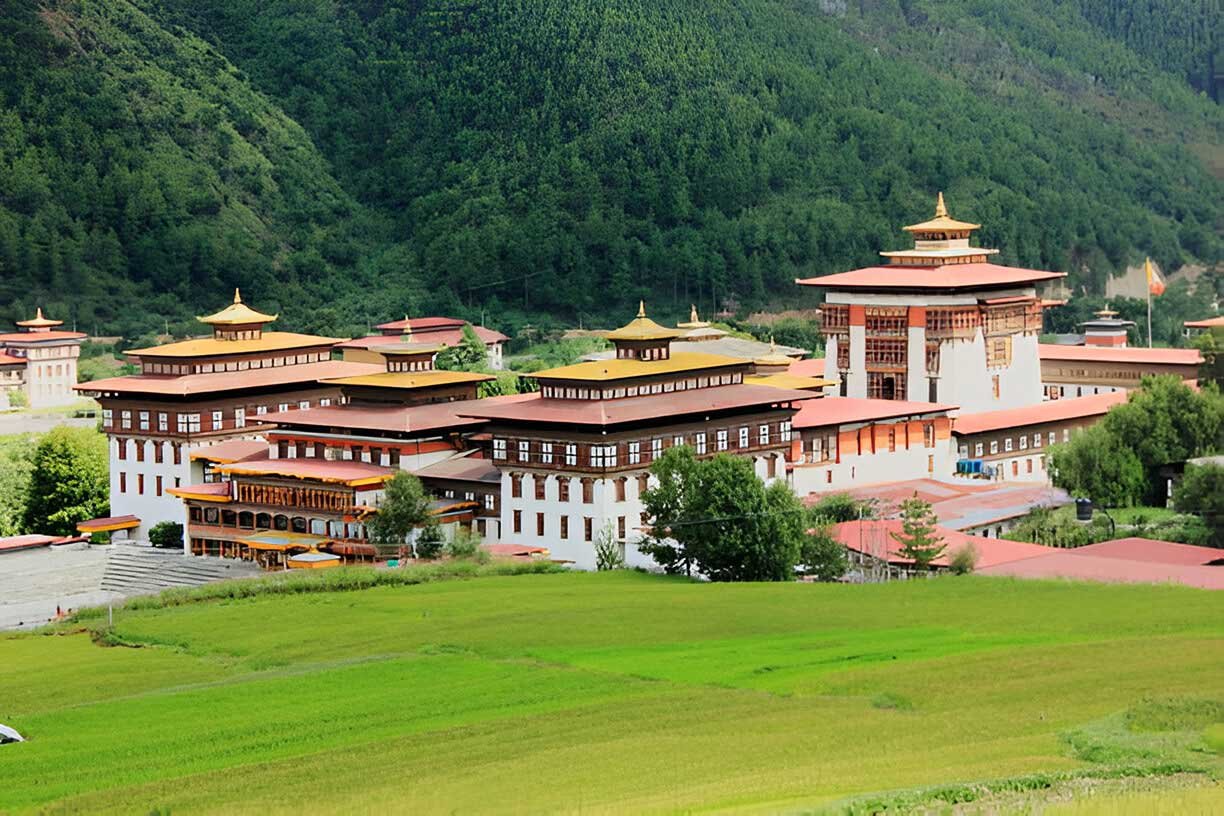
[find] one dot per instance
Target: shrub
(607, 551)
(964, 560)
(430, 542)
(166, 534)
(466, 546)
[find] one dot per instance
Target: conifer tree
(918, 538)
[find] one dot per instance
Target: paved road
(17, 422)
(34, 582)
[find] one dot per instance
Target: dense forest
(559, 159)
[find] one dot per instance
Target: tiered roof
(237, 314)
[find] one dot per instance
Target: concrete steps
(136, 570)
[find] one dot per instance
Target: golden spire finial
(773, 347)
(941, 211)
(39, 315)
(237, 295)
(406, 334)
(693, 314)
(641, 308)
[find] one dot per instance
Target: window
(571, 455)
(656, 448)
(771, 467)
(122, 482)
(217, 420)
(620, 489)
(587, 525)
(122, 448)
(597, 456)
(540, 525)
(188, 423)
(158, 490)
(499, 449)
(563, 484)
(677, 441)
(721, 443)
(1053, 437)
(144, 420)
(518, 521)
(163, 422)
(784, 430)
(323, 403)
(1007, 444)
(588, 491)
(994, 446)
(610, 455)
(140, 449)
(763, 435)
(304, 404)
(157, 453)
(490, 501)
(524, 451)
(1028, 465)
(928, 434)
(546, 452)
(284, 406)
(140, 484)
(995, 385)
(108, 416)
(539, 488)
(963, 452)
(239, 417)
(1066, 434)
(260, 410)
(635, 453)
(620, 527)
(1036, 440)
(700, 439)
(178, 453)
(125, 420)
(1024, 443)
(977, 449)
(565, 526)
(516, 486)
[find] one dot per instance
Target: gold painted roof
(941, 221)
(773, 358)
(408, 380)
(237, 314)
(606, 370)
(643, 328)
(393, 349)
(212, 347)
(39, 322)
(793, 382)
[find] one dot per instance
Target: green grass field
(625, 692)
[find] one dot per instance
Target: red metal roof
(844, 410)
(1154, 551)
(814, 367)
(231, 450)
(1077, 565)
(325, 470)
(220, 489)
(108, 523)
(440, 336)
(406, 419)
(462, 468)
(947, 276)
(875, 538)
(8, 359)
(204, 384)
(1059, 410)
(423, 323)
(1209, 323)
(26, 542)
(534, 408)
(958, 505)
(1125, 354)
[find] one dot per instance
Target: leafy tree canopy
(1201, 491)
(404, 507)
(919, 539)
(69, 481)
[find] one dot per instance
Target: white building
(40, 359)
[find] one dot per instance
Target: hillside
(616, 692)
(571, 157)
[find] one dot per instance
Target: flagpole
(1149, 316)
(1149, 274)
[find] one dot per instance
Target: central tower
(936, 323)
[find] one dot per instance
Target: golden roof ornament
(942, 221)
(643, 328)
(39, 322)
(406, 334)
(237, 314)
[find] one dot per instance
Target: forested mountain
(571, 156)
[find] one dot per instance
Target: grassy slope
(605, 692)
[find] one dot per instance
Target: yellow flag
(1156, 285)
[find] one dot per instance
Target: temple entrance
(888, 389)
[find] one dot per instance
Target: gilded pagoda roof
(39, 322)
(774, 357)
(643, 328)
(942, 221)
(408, 380)
(623, 369)
(212, 347)
(237, 314)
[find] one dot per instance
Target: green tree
(717, 516)
(919, 539)
(1095, 464)
(839, 507)
(16, 464)
(1201, 491)
(822, 556)
(430, 542)
(608, 551)
(68, 481)
(470, 354)
(404, 507)
(167, 534)
(1165, 421)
